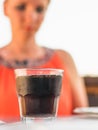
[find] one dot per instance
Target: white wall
(71, 25)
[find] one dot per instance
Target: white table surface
(65, 123)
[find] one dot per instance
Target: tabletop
(80, 122)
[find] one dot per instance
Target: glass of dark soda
(38, 92)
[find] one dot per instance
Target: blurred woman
(26, 16)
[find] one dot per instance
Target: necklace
(27, 63)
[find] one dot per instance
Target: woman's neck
(23, 48)
(20, 49)
(20, 42)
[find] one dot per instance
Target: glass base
(37, 119)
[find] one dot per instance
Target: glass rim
(39, 69)
(22, 71)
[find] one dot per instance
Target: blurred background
(71, 25)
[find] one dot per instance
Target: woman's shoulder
(3, 52)
(68, 61)
(65, 56)
(2, 49)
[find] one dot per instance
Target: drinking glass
(38, 92)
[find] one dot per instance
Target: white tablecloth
(65, 123)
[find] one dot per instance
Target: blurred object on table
(91, 83)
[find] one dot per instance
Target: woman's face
(25, 15)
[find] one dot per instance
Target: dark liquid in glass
(38, 94)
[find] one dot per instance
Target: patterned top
(27, 63)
